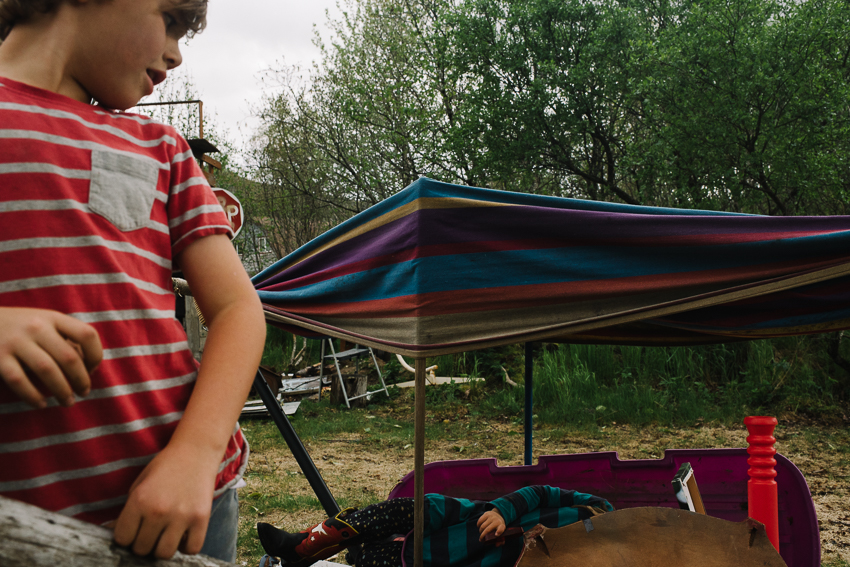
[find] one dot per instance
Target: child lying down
(457, 532)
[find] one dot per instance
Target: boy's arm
(173, 495)
(52, 347)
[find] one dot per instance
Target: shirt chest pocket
(122, 189)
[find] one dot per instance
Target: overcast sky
(244, 38)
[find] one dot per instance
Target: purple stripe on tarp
(433, 227)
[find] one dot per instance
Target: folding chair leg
(322, 369)
(339, 374)
(380, 376)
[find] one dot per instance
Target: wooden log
(31, 536)
(354, 386)
(358, 387)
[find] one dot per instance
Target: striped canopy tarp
(441, 268)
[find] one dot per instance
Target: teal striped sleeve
(552, 497)
(504, 508)
(436, 505)
(517, 504)
(583, 499)
(442, 511)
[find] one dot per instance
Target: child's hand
(54, 348)
(490, 521)
(168, 507)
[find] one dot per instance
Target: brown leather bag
(650, 537)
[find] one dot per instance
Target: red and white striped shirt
(93, 207)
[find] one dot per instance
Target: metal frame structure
(354, 353)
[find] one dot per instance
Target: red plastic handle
(762, 495)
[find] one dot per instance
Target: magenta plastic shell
(721, 475)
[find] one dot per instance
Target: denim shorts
(220, 542)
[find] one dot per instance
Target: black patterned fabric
(378, 524)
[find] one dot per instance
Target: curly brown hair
(191, 13)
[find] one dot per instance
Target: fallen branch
(31, 536)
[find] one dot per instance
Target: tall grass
(593, 384)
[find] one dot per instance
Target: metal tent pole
(419, 464)
(529, 403)
(317, 483)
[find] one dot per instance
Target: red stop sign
(232, 208)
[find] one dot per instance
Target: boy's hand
(168, 507)
(490, 521)
(54, 348)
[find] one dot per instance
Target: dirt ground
(358, 473)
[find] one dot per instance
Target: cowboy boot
(305, 548)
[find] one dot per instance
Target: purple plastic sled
(721, 475)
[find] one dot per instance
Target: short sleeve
(193, 210)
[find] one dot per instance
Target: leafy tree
(551, 92)
(748, 107)
(735, 105)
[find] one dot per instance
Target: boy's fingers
(85, 338)
(127, 526)
(16, 379)
(194, 540)
(62, 370)
(168, 543)
(146, 538)
(43, 364)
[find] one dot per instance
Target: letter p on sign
(232, 208)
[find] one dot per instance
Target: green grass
(379, 425)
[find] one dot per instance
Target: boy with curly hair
(104, 413)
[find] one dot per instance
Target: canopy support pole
(308, 467)
(529, 401)
(419, 464)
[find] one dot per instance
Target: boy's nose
(172, 55)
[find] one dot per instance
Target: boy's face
(125, 49)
